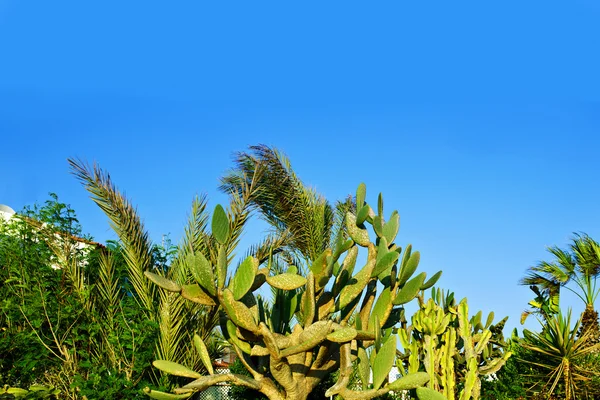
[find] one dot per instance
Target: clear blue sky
(479, 121)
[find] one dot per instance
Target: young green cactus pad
(203, 352)
(244, 277)
(383, 361)
(286, 281)
(410, 381)
(328, 318)
(202, 272)
(220, 224)
(175, 369)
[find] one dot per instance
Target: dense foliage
(80, 320)
(69, 316)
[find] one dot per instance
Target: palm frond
(339, 218)
(586, 252)
(196, 232)
(285, 202)
(170, 325)
(241, 203)
(107, 285)
(270, 246)
(565, 262)
(137, 248)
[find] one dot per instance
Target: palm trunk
(567, 380)
(589, 323)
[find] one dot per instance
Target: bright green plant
(559, 354)
(580, 265)
(338, 315)
(34, 392)
(66, 320)
(455, 350)
(34, 297)
(72, 318)
(511, 381)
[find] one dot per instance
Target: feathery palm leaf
(586, 252)
(196, 237)
(107, 287)
(285, 202)
(137, 248)
(170, 325)
(580, 265)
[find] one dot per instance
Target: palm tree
(306, 220)
(559, 351)
(579, 264)
(177, 320)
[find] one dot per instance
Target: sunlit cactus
(340, 315)
(452, 347)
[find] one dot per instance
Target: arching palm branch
(579, 265)
(291, 208)
(176, 319)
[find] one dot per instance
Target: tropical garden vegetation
(315, 309)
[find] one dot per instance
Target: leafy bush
(70, 316)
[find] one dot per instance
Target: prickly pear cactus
(451, 347)
(341, 315)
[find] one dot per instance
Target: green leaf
(410, 290)
(384, 361)
(196, 294)
(431, 281)
(489, 320)
(176, 369)
(361, 194)
(357, 283)
(424, 393)
(342, 335)
(17, 392)
(163, 282)
(385, 263)
(238, 312)
(382, 306)
(286, 281)
(364, 369)
(222, 266)
(409, 267)
(307, 302)
(244, 277)
(292, 305)
(410, 381)
(321, 270)
(220, 224)
(363, 213)
(359, 235)
(203, 352)
(234, 339)
(390, 228)
(378, 225)
(202, 271)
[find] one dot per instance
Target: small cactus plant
(449, 344)
(341, 314)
